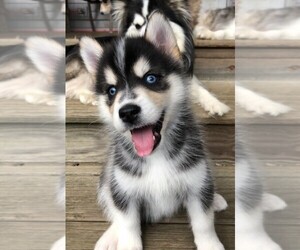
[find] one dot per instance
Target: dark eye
(112, 91)
(151, 79)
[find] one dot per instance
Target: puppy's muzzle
(129, 113)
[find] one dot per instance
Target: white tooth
(153, 137)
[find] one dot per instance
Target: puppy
(105, 7)
(216, 24)
(31, 72)
(157, 161)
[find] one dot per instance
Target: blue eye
(112, 91)
(151, 79)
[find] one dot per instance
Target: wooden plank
(81, 204)
(214, 68)
(257, 66)
(214, 52)
(32, 143)
(88, 143)
(30, 235)
(215, 43)
(83, 236)
(30, 198)
(271, 142)
(31, 169)
(18, 111)
(263, 53)
(268, 43)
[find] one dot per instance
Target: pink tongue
(143, 141)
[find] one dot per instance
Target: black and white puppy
(157, 161)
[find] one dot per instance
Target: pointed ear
(44, 53)
(91, 52)
(160, 33)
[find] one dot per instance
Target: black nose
(129, 113)
(102, 13)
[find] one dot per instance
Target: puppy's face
(140, 83)
(105, 7)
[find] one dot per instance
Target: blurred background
(32, 124)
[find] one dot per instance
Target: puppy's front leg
(202, 221)
(129, 227)
(124, 233)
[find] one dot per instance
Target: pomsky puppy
(157, 161)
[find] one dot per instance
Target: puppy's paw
(219, 34)
(60, 244)
(88, 99)
(272, 202)
(209, 243)
(257, 103)
(201, 32)
(215, 107)
(219, 203)
(129, 241)
(41, 99)
(271, 108)
(108, 241)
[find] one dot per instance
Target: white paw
(258, 104)
(207, 100)
(271, 108)
(219, 34)
(215, 107)
(41, 99)
(129, 241)
(272, 202)
(88, 99)
(113, 239)
(201, 32)
(60, 244)
(209, 243)
(108, 241)
(219, 203)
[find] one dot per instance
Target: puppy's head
(139, 81)
(105, 7)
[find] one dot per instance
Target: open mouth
(147, 138)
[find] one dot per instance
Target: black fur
(120, 199)
(207, 193)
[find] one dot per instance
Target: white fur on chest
(161, 186)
